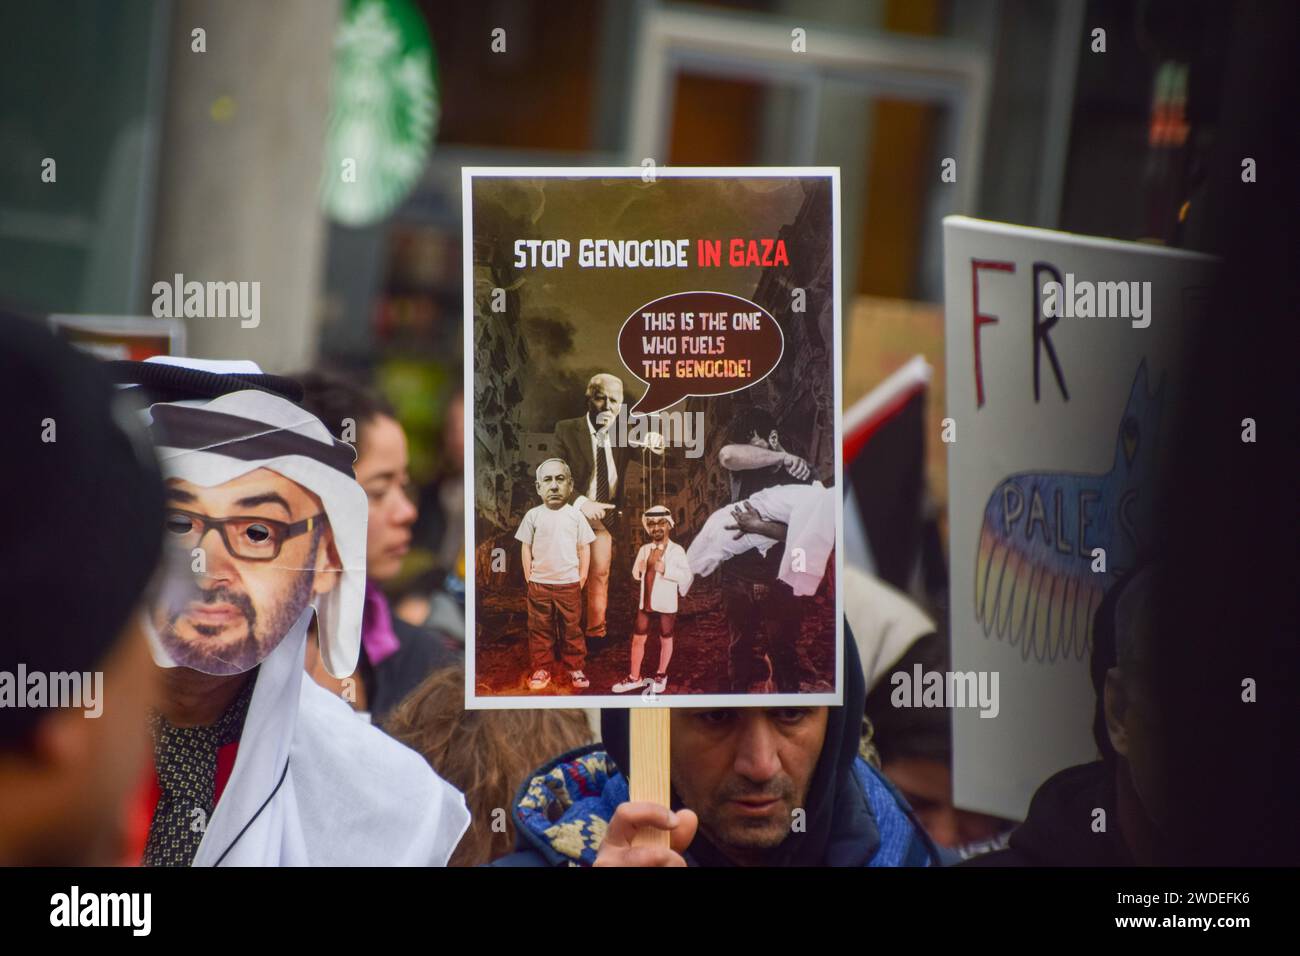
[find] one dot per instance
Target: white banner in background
(1062, 357)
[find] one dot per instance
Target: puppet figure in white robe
(664, 573)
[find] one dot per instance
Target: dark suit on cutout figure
(599, 489)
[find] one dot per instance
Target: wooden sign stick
(650, 772)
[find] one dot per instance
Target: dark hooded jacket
(1058, 830)
(855, 817)
(421, 651)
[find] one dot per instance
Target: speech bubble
(698, 343)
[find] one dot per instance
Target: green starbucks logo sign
(384, 107)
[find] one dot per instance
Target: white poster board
(1060, 398)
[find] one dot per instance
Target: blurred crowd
(214, 747)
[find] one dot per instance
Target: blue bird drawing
(1035, 586)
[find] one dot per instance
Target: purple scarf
(377, 635)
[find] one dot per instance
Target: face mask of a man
(262, 505)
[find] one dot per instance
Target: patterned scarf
(185, 759)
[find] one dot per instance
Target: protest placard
(653, 384)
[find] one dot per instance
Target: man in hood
(751, 787)
(1104, 813)
(253, 765)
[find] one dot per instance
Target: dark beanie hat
(83, 512)
(921, 732)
